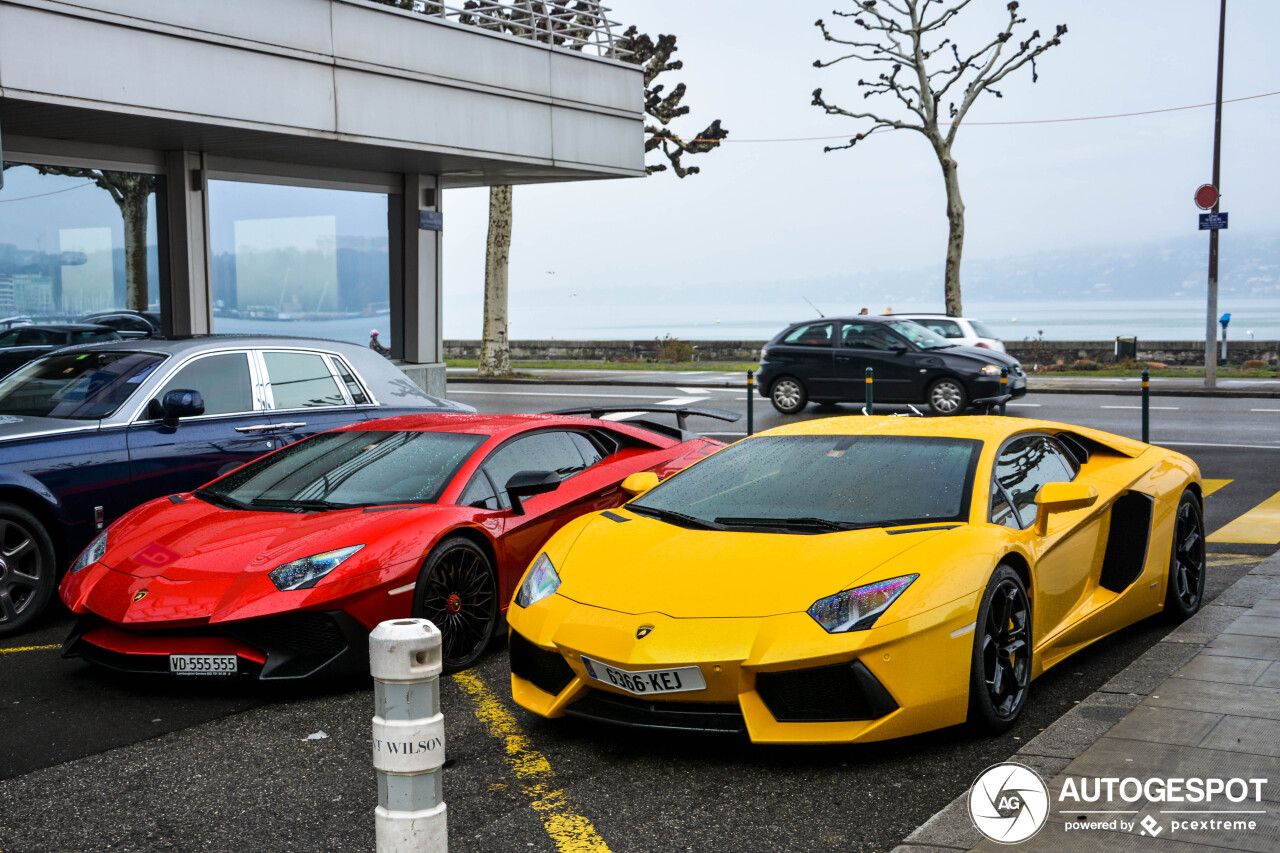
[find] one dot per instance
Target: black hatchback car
(824, 361)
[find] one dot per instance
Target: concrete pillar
(188, 306)
(419, 348)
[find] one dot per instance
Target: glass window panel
(812, 335)
(223, 380)
(1024, 466)
(67, 248)
(301, 380)
(348, 378)
(845, 480)
(544, 451)
(300, 261)
(75, 386)
(590, 453)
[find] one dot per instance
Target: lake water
(541, 318)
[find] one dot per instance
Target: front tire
(1000, 674)
(947, 397)
(788, 395)
(28, 571)
(458, 591)
(1187, 562)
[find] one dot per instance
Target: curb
(1063, 741)
(1110, 390)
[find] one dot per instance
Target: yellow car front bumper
(781, 679)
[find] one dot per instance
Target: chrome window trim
(355, 374)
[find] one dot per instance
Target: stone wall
(1188, 353)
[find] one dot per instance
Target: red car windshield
(78, 386)
(339, 470)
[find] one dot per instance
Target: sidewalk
(1204, 702)
(1160, 386)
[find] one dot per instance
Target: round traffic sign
(1206, 196)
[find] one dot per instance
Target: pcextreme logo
(1009, 803)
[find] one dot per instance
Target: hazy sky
(762, 211)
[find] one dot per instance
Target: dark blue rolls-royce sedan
(87, 433)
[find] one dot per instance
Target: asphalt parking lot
(514, 781)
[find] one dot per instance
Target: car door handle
(843, 359)
(261, 428)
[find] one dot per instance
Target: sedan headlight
(97, 548)
(540, 582)
(307, 572)
(990, 370)
(858, 609)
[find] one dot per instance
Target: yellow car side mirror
(1061, 497)
(638, 484)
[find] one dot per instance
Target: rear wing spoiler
(682, 413)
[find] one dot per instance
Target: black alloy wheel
(1001, 671)
(1186, 561)
(27, 569)
(947, 397)
(788, 395)
(458, 591)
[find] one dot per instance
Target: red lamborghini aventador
(280, 568)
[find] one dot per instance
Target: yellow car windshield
(815, 484)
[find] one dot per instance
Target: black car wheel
(458, 591)
(1186, 561)
(788, 395)
(947, 397)
(27, 569)
(1001, 671)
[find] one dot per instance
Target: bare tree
(659, 105)
(923, 68)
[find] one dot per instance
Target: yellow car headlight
(540, 582)
(858, 609)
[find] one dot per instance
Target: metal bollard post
(871, 394)
(408, 736)
(751, 401)
(1004, 387)
(1146, 406)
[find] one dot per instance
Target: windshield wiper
(786, 523)
(218, 500)
(301, 503)
(677, 518)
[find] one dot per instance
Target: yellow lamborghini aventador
(857, 578)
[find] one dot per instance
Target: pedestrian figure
(376, 345)
(888, 310)
(864, 312)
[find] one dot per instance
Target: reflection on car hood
(13, 427)
(649, 566)
(195, 540)
(979, 355)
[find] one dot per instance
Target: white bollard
(408, 736)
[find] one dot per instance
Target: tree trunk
(495, 350)
(955, 234)
(133, 207)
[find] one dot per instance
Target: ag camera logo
(1009, 803)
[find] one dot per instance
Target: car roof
(986, 428)
(65, 327)
(929, 315)
(501, 426)
(206, 343)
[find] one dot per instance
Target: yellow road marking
(571, 832)
(1258, 526)
(1234, 559)
(1211, 486)
(29, 649)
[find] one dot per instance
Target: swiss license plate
(202, 664)
(679, 680)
